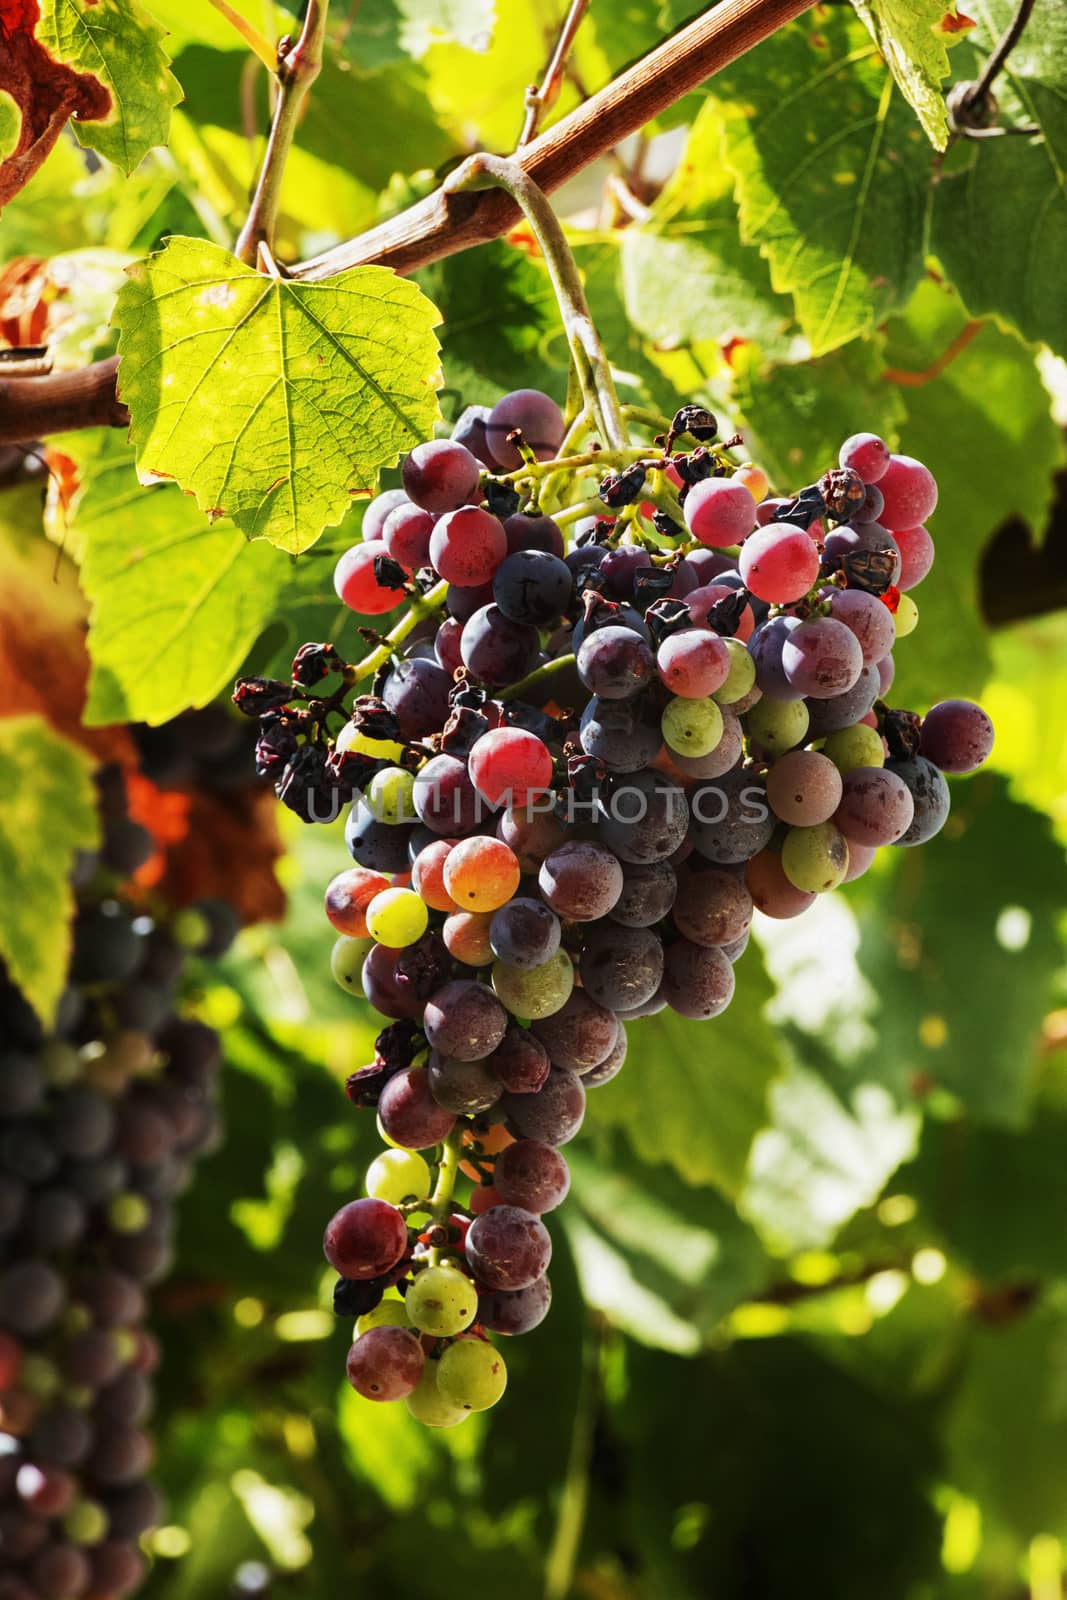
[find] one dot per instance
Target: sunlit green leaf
(910, 37)
(999, 222)
(831, 173)
(272, 401)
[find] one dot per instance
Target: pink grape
(440, 475)
(866, 454)
(910, 493)
(467, 546)
(510, 762)
(916, 556)
(720, 511)
(356, 585)
(779, 563)
(406, 536)
(693, 663)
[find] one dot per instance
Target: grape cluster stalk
(101, 1121)
(632, 697)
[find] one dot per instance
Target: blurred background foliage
(809, 1334)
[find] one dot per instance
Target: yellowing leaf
(119, 44)
(909, 35)
(47, 814)
(273, 402)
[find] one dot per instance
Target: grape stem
(587, 458)
(443, 1190)
(419, 607)
(538, 676)
(484, 171)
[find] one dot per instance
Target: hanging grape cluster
(101, 1120)
(632, 698)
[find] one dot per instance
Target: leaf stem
(295, 72)
(257, 42)
(483, 171)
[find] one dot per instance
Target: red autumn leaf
(45, 91)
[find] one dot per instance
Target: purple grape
(416, 692)
(620, 967)
(526, 532)
(612, 1064)
(515, 1311)
(822, 658)
(957, 736)
(465, 1020)
(713, 906)
(462, 1087)
(842, 710)
(624, 735)
(508, 1248)
(643, 818)
(581, 881)
(553, 1114)
(532, 586)
(876, 807)
(524, 933)
(520, 1061)
(866, 617)
(537, 417)
(930, 795)
(497, 651)
(697, 981)
(469, 431)
(581, 1033)
(614, 663)
(365, 1238)
(531, 1175)
(648, 893)
(731, 819)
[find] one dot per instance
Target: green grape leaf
(1027, 700)
(694, 1095)
(830, 174)
(273, 402)
(176, 602)
(118, 44)
(687, 276)
(999, 220)
(911, 37)
(47, 814)
(961, 946)
(377, 36)
(664, 1274)
(795, 417)
(1005, 1436)
(990, 394)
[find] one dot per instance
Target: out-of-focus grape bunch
(632, 698)
(101, 1122)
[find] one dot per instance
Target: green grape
(742, 675)
(128, 1213)
(442, 1301)
(692, 727)
(534, 992)
(397, 917)
(858, 746)
(906, 616)
(472, 1374)
(85, 1523)
(190, 929)
(386, 1314)
(429, 1406)
(390, 795)
(815, 859)
(39, 1376)
(346, 962)
(361, 744)
(397, 1176)
(777, 725)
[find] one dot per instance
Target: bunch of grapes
(632, 699)
(100, 1122)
